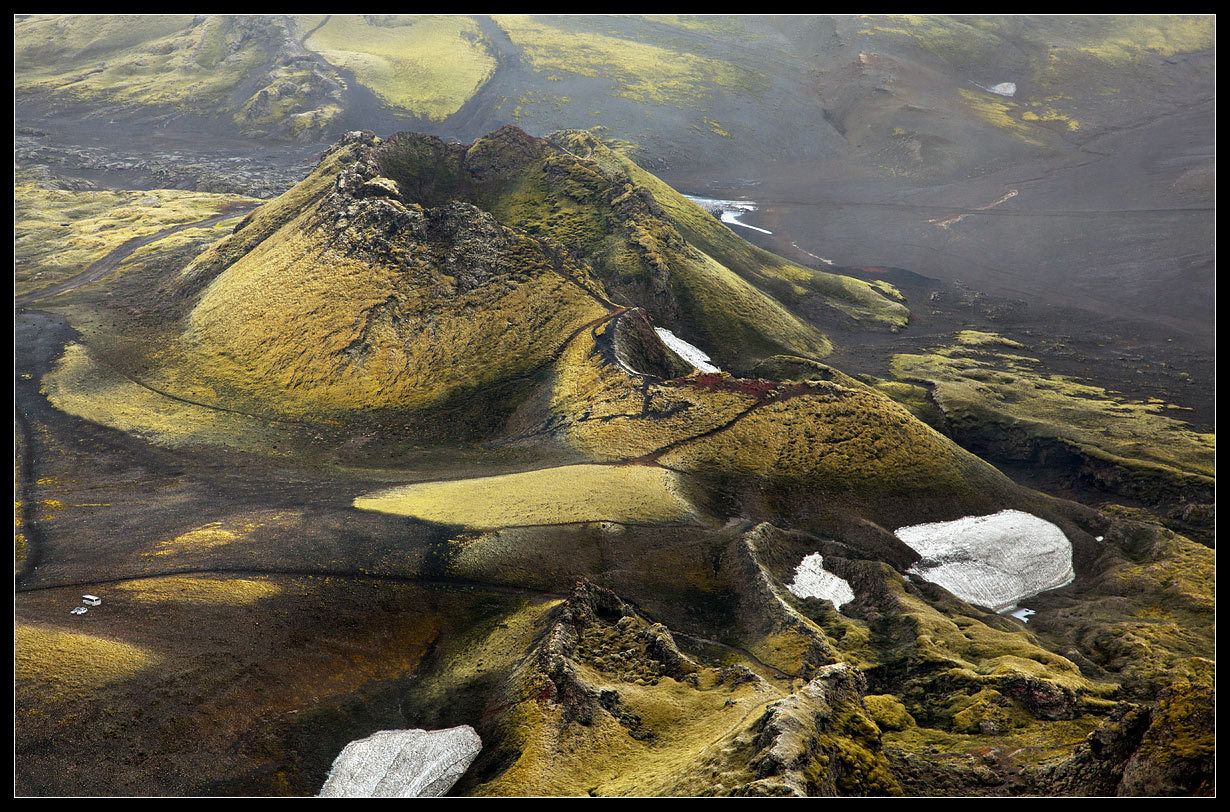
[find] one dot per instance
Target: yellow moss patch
(71, 664)
(978, 338)
(425, 64)
(640, 71)
(717, 128)
(559, 758)
(888, 712)
(197, 589)
(606, 407)
(202, 538)
(1050, 114)
(61, 233)
(572, 493)
(94, 391)
(995, 110)
(1126, 37)
(784, 649)
(1008, 389)
(213, 535)
(850, 438)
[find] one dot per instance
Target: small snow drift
(692, 354)
(1002, 89)
(992, 561)
(1021, 613)
(728, 211)
(811, 580)
(402, 764)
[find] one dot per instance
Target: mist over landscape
(614, 405)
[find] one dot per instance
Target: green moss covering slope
(425, 65)
(247, 68)
(1003, 404)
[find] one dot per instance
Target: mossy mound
(1001, 405)
(428, 66)
(407, 273)
(1144, 615)
(793, 368)
(568, 494)
(348, 298)
(825, 299)
(837, 438)
(607, 704)
(830, 435)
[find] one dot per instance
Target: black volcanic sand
(1126, 285)
(245, 698)
(356, 606)
(1115, 237)
(118, 496)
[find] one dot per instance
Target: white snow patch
(728, 211)
(732, 217)
(1002, 89)
(1020, 613)
(992, 561)
(810, 254)
(692, 354)
(811, 580)
(402, 764)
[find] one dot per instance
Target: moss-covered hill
(616, 620)
(1003, 405)
(407, 272)
(508, 291)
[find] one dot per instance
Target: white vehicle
(78, 610)
(91, 600)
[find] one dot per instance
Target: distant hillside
(916, 94)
